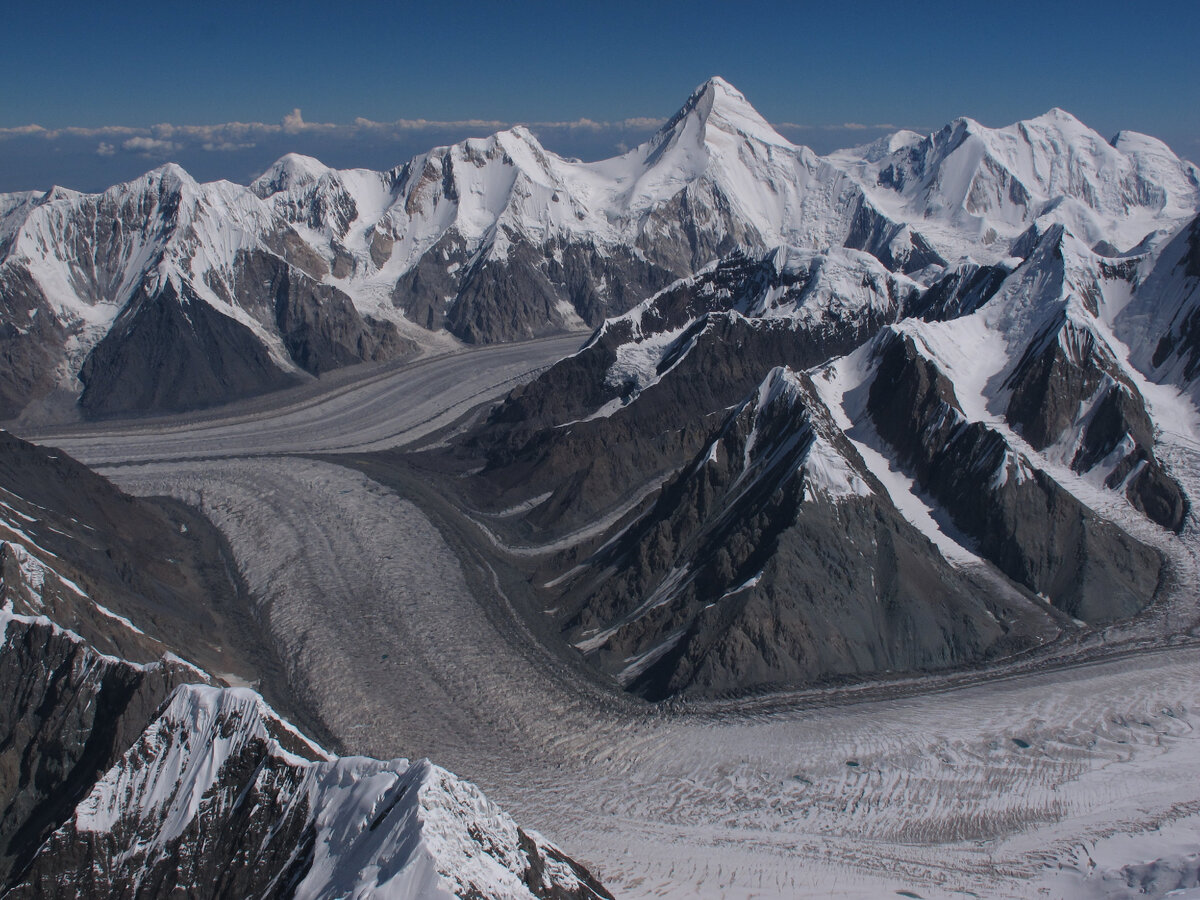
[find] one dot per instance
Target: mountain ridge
(498, 238)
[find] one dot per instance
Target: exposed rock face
(318, 324)
(622, 434)
(684, 356)
(172, 352)
(1025, 522)
(158, 565)
(959, 292)
(775, 559)
(32, 344)
(532, 291)
(1069, 383)
(67, 715)
(896, 245)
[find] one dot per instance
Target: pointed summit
(716, 107)
(1060, 117)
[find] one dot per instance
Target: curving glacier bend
(1035, 778)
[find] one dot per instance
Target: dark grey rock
(31, 342)
(67, 715)
(894, 244)
(1068, 378)
(528, 292)
(318, 324)
(534, 441)
(1021, 519)
(959, 292)
(746, 575)
(157, 563)
(1180, 342)
(171, 352)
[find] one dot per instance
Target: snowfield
(1047, 782)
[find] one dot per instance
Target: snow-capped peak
(288, 173)
(969, 184)
(378, 828)
(169, 178)
(1059, 118)
(57, 192)
(884, 146)
(717, 109)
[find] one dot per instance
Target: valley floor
(403, 644)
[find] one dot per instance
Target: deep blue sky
(818, 66)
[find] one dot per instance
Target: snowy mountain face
(1003, 360)
(971, 189)
(127, 771)
(224, 291)
(1160, 322)
(166, 294)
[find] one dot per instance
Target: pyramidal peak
(170, 173)
(717, 106)
(520, 139)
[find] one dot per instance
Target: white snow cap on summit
(719, 105)
(290, 171)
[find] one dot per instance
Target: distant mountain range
(165, 294)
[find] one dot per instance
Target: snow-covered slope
(973, 189)
(1039, 361)
(1160, 323)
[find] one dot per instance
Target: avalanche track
(405, 647)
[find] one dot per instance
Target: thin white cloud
(227, 136)
(148, 146)
(226, 146)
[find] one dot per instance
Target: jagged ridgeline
(163, 294)
(126, 770)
